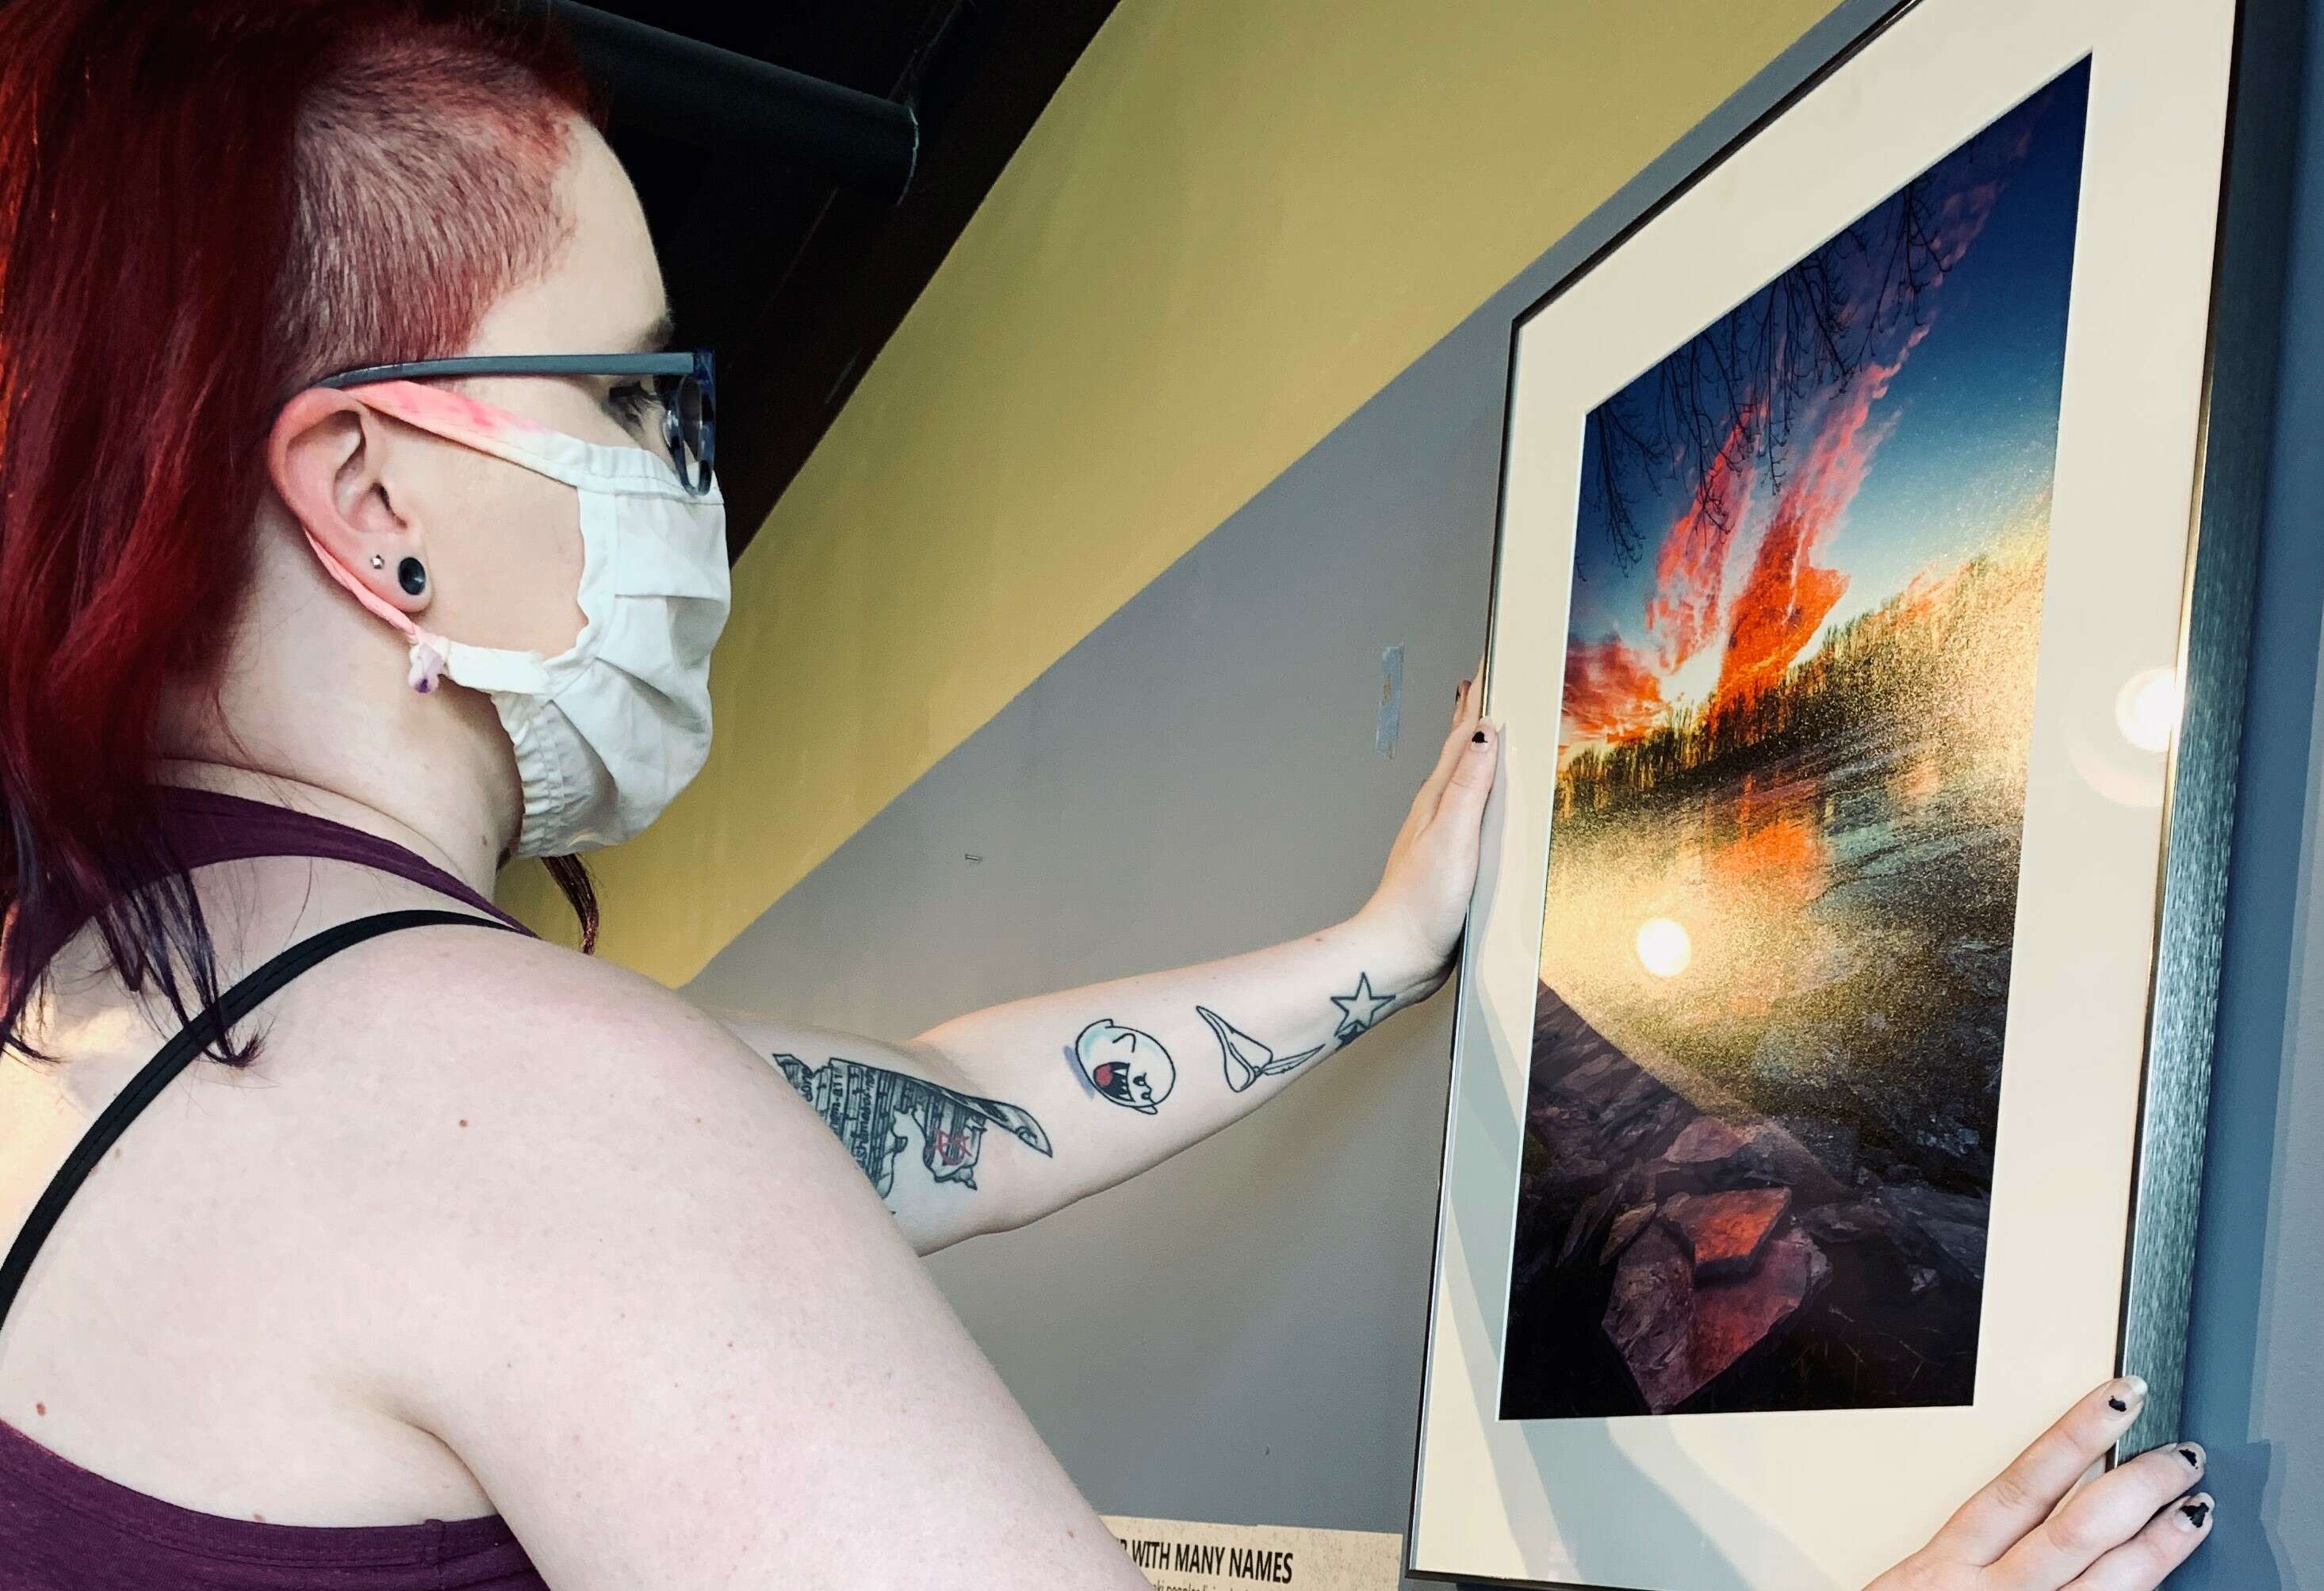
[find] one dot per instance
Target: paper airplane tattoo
(1245, 1059)
(863, 1104)
(1128, 1067)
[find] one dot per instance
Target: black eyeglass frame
(685, 385)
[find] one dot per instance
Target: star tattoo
(1359, 1011)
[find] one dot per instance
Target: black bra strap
(192, 1040)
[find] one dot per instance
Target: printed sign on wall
(1182, 1555)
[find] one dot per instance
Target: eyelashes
(630, 403)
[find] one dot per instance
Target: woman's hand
(1423, 897)
(2124, 1532)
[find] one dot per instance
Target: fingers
(2022, 1496)
(2141, 1562)
(1464, 715)
(1463, 804)
(2098, 1519)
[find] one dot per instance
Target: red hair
(204, 206)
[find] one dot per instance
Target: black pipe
(716, 99)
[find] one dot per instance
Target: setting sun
(1664, 947)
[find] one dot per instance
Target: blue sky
(1958, 448)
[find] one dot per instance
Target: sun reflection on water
(1664, 947)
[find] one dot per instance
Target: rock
(1601, 1074)
(1677, 1336)
(1774, 1156)
(1561, 1126)
(1586, 1221)
(1706, 1141)
(1638, 1094)
(1946, 1229)
(1950, 1143)
(1924, 1278)
(1982, 965)
(1832, 1142)
(1732, 1318)
(1650, 1127)
(1573, 1157)
(1626, 1227)
(1558, 1026)
(1724, 1232)
(1575, 1172)
(1650, 1318)
(1846, 1223)
(1710, 1153)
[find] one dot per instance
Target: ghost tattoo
(1128, 1067)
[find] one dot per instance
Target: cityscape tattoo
(863, 1103)
(1245, 1058)
(1128, 1067)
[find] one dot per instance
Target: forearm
(999, 1116)
(1127, 1073)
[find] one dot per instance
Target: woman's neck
(474, 865)
(311, 711)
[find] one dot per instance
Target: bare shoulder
(516, 1128)
(525, 1033)
(620, 1269)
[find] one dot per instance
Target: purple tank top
(63, 1528)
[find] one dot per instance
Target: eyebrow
(656, 338)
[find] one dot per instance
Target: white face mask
(608, 731)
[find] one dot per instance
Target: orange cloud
(1787, 594)
(1788, 591)
(1612, 692)
(1690, 569)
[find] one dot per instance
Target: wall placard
(1188, 1555)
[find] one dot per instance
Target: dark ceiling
(795, 279)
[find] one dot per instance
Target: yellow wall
(1236, 221)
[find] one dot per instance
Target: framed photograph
(1868, 631)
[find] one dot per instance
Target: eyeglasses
(685, 385)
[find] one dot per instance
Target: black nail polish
(2197, 1511)
(2193, 1458)
(2118, 1405)
(1478, 737)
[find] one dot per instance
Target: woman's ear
(327, 458)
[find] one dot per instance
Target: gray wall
(1237, 1336)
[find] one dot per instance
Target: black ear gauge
(412, 576)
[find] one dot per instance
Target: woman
(459, 1226)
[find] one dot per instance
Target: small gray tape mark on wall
(1391, 708)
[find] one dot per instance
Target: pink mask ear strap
(428, 650)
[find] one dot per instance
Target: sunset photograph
(1809, 560)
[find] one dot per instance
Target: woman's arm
(999, 1116)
